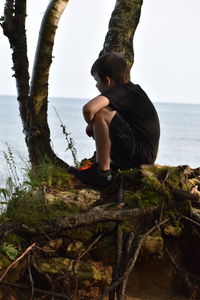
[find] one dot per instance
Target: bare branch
(94, 216)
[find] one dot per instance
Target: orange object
(86, 166)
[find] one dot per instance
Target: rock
(58, 265)
(173, 230)
(152, 245)
(83, 198)
(85, 270)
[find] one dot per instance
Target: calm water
(180, 131)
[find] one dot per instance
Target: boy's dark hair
(113, 65)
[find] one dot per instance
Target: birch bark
(38, 135)
(122, 26)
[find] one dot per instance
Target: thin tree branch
(190, 220)
(31, 278)
(86, 251)
(128, 254)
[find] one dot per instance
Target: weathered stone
(84, 269)
(58, 265)
(87, 197)
(173, 230)
(152, 245)
(83, 199)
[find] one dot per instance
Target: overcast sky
(166, 43)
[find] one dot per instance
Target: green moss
(162, 172)
(8, 253)
(152, 183)
(176, 178)
(9, 250)
(33, 211)
(142, 199)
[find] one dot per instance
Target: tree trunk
(38, 135)
(14, 28)
(122, 26)
(33, 102)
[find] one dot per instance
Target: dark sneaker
(92, 175)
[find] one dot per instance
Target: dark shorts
(123, 143)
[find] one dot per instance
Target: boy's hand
(89, 131)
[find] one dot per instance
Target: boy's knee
(100, 114)
(105, 114)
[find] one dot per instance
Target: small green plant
(70, 141)
(3, 195)
(13, 186)
(9, 250)
(12, 169)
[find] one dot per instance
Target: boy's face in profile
(102, 86)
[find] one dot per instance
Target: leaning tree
(33, 91)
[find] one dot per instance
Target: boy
(122, 120)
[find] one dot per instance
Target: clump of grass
(11, 164)
(13, 185)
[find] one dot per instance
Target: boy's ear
(108, 81)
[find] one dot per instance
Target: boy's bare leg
(101, 123)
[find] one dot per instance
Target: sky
(166, 45)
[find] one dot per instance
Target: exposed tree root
(94, 254)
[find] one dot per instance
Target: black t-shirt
(133, 104)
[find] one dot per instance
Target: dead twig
(102, 216)
(128, 253)
(86, 251)
(190, 220)
(18, 259)
(31, 277)
(118, 265)
(81, 256)
(161, 213)
(117, 268)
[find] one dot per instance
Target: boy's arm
(94, 105)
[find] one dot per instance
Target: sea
(179, 141)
